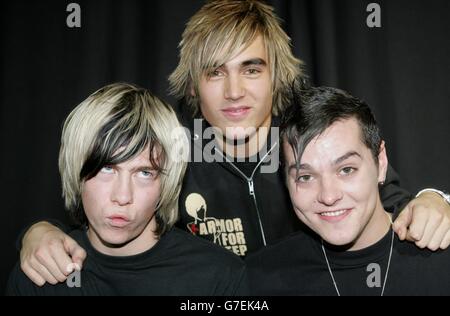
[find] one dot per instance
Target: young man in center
(237, 73)
(236, 85)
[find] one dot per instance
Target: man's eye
(347, 170)
(214, 73)
(253, 71)
(304, 178)
(107, 169)
(146, 174)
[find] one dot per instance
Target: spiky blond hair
(219, 31)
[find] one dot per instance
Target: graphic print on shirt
(228, 233)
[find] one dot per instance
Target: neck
(246, 147)
(135, 245)
(377, 227)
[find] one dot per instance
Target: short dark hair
(317, 108)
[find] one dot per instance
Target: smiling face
(119, 203)
(237, 96)
(335, 191)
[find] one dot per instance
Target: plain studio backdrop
(401, 69)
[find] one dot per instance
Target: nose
(329, 192)
(234, 88)
(122, 192)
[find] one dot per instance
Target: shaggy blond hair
(222, 29)
(121, 116)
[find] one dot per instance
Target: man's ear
(192, 91)
(382, 163)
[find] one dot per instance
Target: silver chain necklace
(387, 269)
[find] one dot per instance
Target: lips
(334, 215)
(118, 220)
(236, 112)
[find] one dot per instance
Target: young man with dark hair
(336, 165)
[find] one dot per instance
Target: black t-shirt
(297, 266)
(178, 264)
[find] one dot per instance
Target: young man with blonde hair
(121, 178)
(236, 75)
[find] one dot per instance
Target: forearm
(27, 229)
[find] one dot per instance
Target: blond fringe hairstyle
(113, 125)
(220, 31)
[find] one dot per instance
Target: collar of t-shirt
(374, 253)
(123, 262)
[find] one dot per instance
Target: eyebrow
(138, 168)
(246, 63)
(305, 166)
(254, 61)
(346, 156)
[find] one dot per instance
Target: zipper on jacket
(251, 189)
(251, 186)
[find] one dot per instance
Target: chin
(337, 242)
(116, 239)
(234, 134)
(338, 238)
(236, 139)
